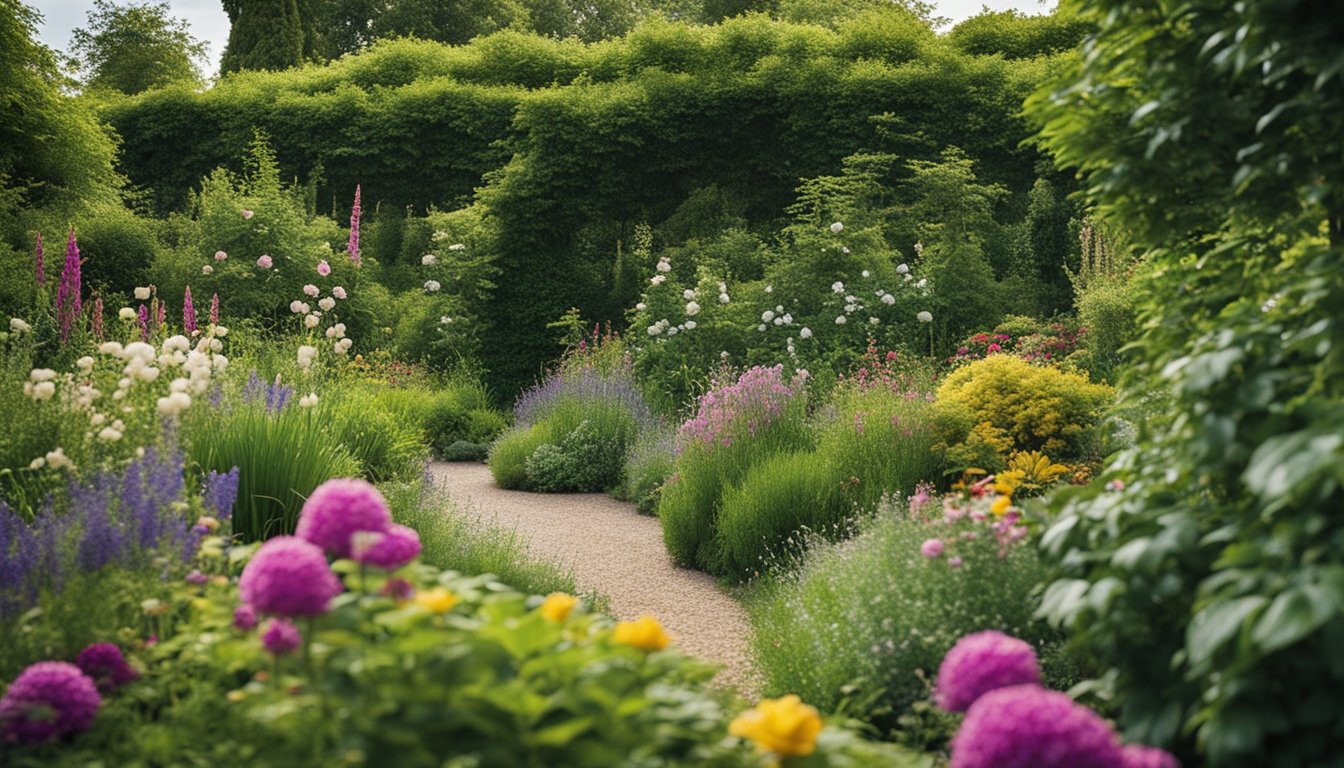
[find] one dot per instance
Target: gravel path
(618, 552)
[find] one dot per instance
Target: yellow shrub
(1038, 408)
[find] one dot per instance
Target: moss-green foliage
(117, 248)
(1016, 35)
(509, 454)
(265, 34)
(1027, 407)
(651, 462)
(386, 447)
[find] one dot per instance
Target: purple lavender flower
(1139, 756)
(388, 550)
(244, 618)
(48, 701)
(290, 577)
(980, 663)
(586, 384)
(281, 637)
(353, 246)
(69, 305)
(220, 492)
(188, 313)
(757, 399)
(105, 665)
(39, 265)
(1026, 726)
(337, 509)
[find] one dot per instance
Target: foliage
(1015, 35)
(651, 461)
(263, 34)
(859, 628)
(1028, 407)
(135, 47)
(1106, 296)
(1208, 586)
(1054, 343)
(385, 447)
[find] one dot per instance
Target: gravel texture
(614, 550)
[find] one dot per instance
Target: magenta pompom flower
(290, 577)
(281, 637)
(388, 550)
(337, 510)
(105, 665)
(931, 548)
(980, 663)
(1139, 756)
(1026, 726)
(244, 618)
(47, 701)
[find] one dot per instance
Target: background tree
(266, 34)
(134, 47)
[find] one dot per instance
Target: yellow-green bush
(1006, 403)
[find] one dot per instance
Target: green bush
(465, 451)
(781, 503)
(881, 441)
(651, 462)
(862, 625)
(386, 447)
(509, 454)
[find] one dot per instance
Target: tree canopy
(132, 48)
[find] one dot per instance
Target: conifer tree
(266, 34)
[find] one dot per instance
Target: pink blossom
(338, 292)
(265, 262)
(220, 255)
(247, 214)
(323, 268)
(931, 548)
(311, 290)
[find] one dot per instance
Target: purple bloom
(1139, 756)
(398, 589)
(196, 578)
(68, 302)
(1026, 726)
(980, 663)
(931, 548)
(290, 577)
(219, 492)
(353, 246)
(38, 263)
(337, 510)
(105, 665)
(729, 411)
(142, 317)
(48, 701)
(163, 314)
(188, 313)
(281, 637)
(214, 309)
(389, 550)
(244, 617)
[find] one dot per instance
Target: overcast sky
(208, 22)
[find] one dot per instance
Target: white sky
(208, 22)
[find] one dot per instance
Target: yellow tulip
(438, 600)
(557, 606)
(644, 633)
(785, 726)
(1000, 506)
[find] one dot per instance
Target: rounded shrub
(509, 454)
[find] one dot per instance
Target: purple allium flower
(244, 618)
(388, 550)
(1026, 726)
(281, 637)
(980, 663)
(98, 318)
(196, 578)
(337, 510)
(1139, 756)
(39, 264)
(188, 312)
(68, 302)
(214, 309)
(290, 577)
(398, 589)
(931, 548)
(353, 246)
(105, 665)
(47, 701)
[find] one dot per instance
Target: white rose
(18, 326)
(142, 294)
(837, 228)
(327, 303)
(205, 270)
(428, 259)
(126, 313)
(692, 309)
(311, 321)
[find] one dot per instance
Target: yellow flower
(438, 600)
(1000, 506)
(644, 633)
(557, 606)
(784, 726)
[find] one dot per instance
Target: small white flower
(457, 247)
(841, 320)
(296, 306)
(919, 248)
(690, 325)
(657, 279)
(338, 292)
(688, 294)
(788, 319)
(18, 326)
(779, 321)
(308, 400)
(804, 333)
(724, 356)
(311, 321)
(432, 286)
(723, 298)
(844, 250)
(924, 317)
(779, 308)
(443, 320)
(672, 331)
(147, 374)
(37, 463)
(142, 293)
(42, 391)
(767, 316)
(340, 328)
(428, 260)
(850, 308)
(923, 281)
(126, 313)
(837, 287)
(769, 289)
(327, 303)
(873, 321)
(902, 269)
(109, 435)
(41, 374)
(888, 299)
(311, 290)
(655, 330)
(306, 355)
(761, 327)
(692, 309)
(641, 306)
(97, 420)
(206, 269)
(664, 265)
(837, 228)
(346, 344)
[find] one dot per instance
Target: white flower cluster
(308, 400)
(306, 355)
(18, 326)
(428, 260)
(432, 286)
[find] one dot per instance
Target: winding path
(614, 550)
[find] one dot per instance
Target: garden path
(618, 552)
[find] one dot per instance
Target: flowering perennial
(48, 701)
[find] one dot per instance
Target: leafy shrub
(779, 504)
(386, 447)
(860, 627)
(509, 454)
(738, 424)
(1033, 408)
(117, 248)
(465, 451)
(651, 462)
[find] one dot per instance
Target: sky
(209, 24)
